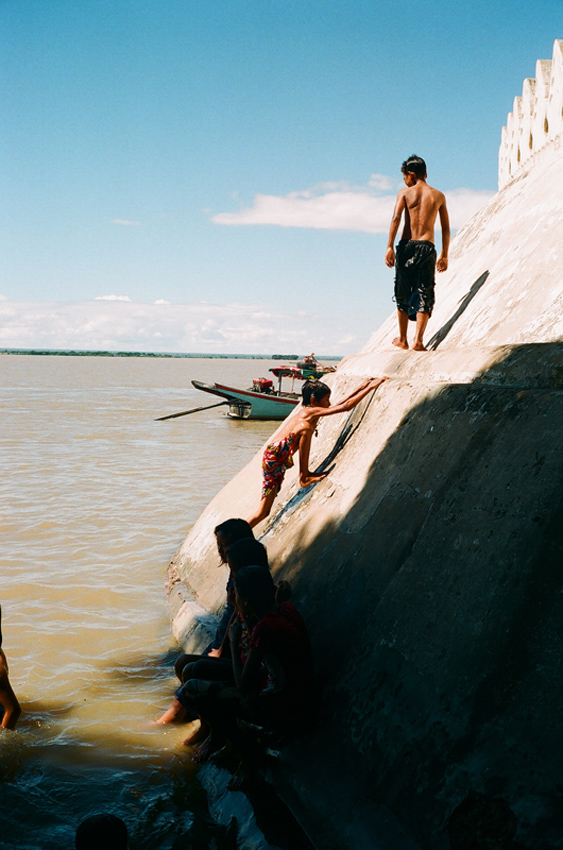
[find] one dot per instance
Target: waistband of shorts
(416, 242)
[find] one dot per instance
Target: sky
(218, 176)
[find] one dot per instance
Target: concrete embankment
(428, 564)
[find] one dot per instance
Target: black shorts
(415, 265)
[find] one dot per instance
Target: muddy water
(95, 497)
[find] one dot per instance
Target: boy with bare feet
(8, 699)
(415, 259)
(295, 436)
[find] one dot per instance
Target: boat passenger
(296, 434)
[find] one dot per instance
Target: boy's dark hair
(234, 530)
(313, 389)
(246, 553)
(106, 831)
(256, 586)
(415, 164)
(0, 625)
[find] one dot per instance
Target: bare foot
(175, 714)
(237, 781)
(418, 346)
(244, 772)
(206, 749)
(319, 477)
(198, 735)
(399, 343)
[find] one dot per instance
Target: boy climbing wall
(296, 434)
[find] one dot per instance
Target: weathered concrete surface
(428, 564)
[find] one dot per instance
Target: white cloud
(113, 325)
(161, 301)
(339, 206)
(112, 298)
(126, 223)
(381, 183)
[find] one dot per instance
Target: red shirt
(282, 640)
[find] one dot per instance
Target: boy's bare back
(422, 204)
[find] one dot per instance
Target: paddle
(193, 410)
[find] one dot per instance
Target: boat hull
(262, 405)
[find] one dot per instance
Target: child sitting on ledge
(296, 435)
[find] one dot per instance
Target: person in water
(415, 260)
(8, 699)
(295, 436)
(107, 831)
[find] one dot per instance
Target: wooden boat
(262, 400)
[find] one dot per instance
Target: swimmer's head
(255, 589)
(246, 553)
(416, 165)
(314, 390)
(106, 831)
(229, 532)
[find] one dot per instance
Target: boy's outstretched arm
(354, 398)
(442, 262)
(369, 382)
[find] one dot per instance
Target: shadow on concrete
(435, 606)
(441, 334)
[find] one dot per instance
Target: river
(95, 499)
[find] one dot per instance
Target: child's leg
(401, 341)
(264, 509)
(421, 322)
(10, 703)
(181, 662)
(176, 713)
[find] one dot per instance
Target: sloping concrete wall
(429, 563)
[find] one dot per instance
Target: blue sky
(218, 175)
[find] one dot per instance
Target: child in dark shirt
(217, 667)
(272, 681)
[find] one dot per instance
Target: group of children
(258, 623)
(259, 667)
(258, 670)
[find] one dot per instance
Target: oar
(193, 410)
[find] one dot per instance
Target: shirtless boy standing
(295, 436)
(416, 255)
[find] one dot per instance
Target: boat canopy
(287, 372)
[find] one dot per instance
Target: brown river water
(95, 499)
